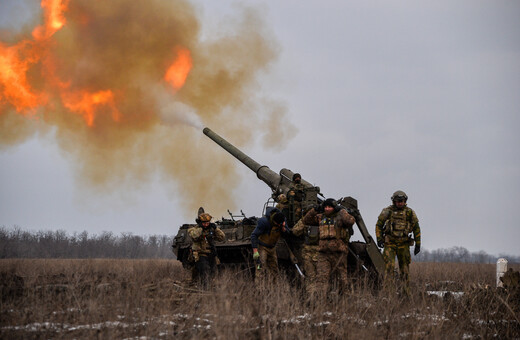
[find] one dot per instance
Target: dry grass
(150, 299)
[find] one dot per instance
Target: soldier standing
(203, 248)
(264, 238)
(327, 229)
(394, 227)
(295, 196)
(282, 204)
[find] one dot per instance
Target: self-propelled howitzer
(366, 254)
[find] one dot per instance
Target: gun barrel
(271, 178)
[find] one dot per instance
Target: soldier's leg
(404, 259)
(203, 269)
(212, 266)
(194, 270)
(272, 261)
(389, 254)
(324, 271)
(340, 270)
(194, 274)
(310, 262)
(263, 262)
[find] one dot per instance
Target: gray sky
(383, 96)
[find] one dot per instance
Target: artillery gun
(235, 250)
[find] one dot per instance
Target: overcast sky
(382, 96)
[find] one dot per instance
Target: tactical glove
(256, 255)
(417, 249)
(380, 243)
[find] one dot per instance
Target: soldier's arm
(195, 233)
(259, 230)
(380, 223)
(310, 218)
(347, 220)
(416, 229)
(219, 234)
(298, 228)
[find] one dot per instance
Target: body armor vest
(312, 236)
(331, 238)
(398, 225)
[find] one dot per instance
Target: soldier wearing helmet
(295, 196)
(283, 205)
(327, 229)
(203, 248)
(394, 228)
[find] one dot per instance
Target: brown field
(150, 299)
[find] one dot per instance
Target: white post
(501, 270)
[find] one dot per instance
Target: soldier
(327, 229)
(283, 205)
(393, 232)
(264, 238)
(295, 196)
(203, 247)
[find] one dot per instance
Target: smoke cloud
(93, 73)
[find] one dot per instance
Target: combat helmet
(205, 217)
(282, 198)
(399, 195)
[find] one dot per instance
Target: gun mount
(236, 249)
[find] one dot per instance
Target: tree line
(18, 243)
(461, 254)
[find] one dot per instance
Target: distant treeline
(17, 243)
(461, 254)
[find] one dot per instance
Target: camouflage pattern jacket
(202, 237)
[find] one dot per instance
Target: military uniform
(283, 205)
(393, 228)
(309, 254)
(326, 247)
(295, 196)
(203, 251)
(264, 237)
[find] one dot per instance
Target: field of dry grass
(151, 299)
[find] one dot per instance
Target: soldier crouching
(268, 231)
(203, 248)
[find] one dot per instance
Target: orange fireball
(86, 103)
(178, 71)
(14, 86)
(37, 57)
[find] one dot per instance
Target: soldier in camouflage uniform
(295, 196)
(283, 205)
(203, 248)
(327, 231)
(394, 227)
